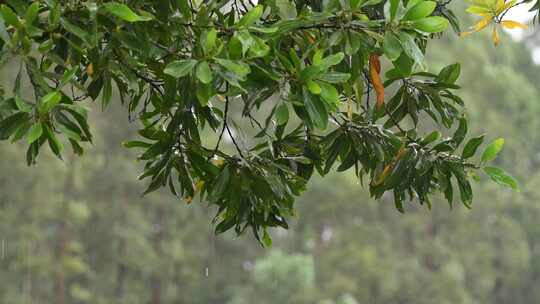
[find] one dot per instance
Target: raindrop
(206, 271)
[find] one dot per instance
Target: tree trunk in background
(121, 271)
(155, 281)
(498, 286)
(60, 277)
(27, 283)
(60, 284)
(121, 268)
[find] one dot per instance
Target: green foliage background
(80, 232)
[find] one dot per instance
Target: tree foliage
(124, 245)
(297, 87)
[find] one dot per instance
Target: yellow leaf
(199, 186)
(388, 168)
(480, 25)
(499, 7)
(507, 5)
(90, 70)
(510, 24)
(495, 36)
(465, 34)
(310, 37)
(384, 174)
(479, 10)
(218, 162)
(189, 199)
(349, 109)
(491, 3)
(374, 70)
(482, 3)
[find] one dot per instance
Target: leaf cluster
(296, 74)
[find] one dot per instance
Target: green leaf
(31, 13)
(251, 16)
(219, 186)
(335, 77)
(472, 145)
(68, 76)
(313, 87)
(259, 48)
(106, 93)
(420, 10)
(55, 145)
(69, 133)
(391, 46)
(180, 68)
(286, 9)
(4, 36)
(21, 105)
(369, 2)
(75, 30)
(461, 131)
(80, 115)
(449, 74)
(310, 72)
(499, 176)
(21, 131)
(266, 239)
(404, 65)
(317, 57)
(264, 30)
(11, 123)
(208, 40)
(411, 49)
(433, 24)
(492, 150)
(184, 8)
(135, 144)
(225, 225)
(246, 40)
(239, 68)
(49, 101)
(391, 9)
(316, 110)
(329, 93)
(431, 137)
(35, 132)
(203, 72)
(124, 12)
(9, 16)
(332, 60)
(465, 191)
(282, 114)
(204, 93)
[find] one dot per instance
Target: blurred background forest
(79, 231)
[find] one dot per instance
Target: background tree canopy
(296, 86)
